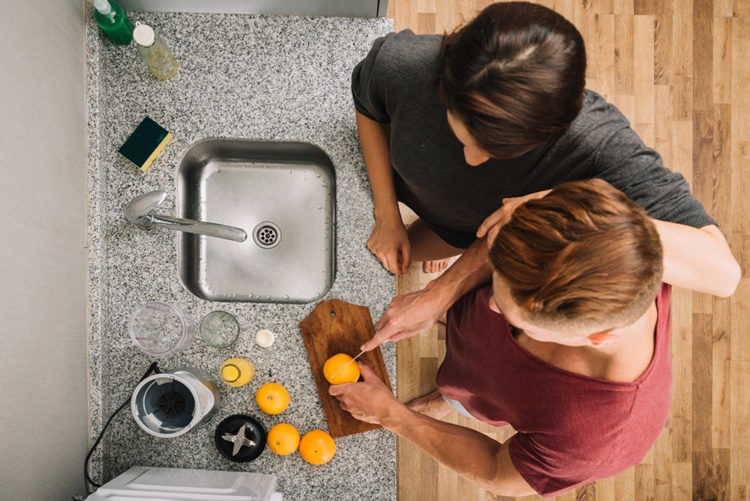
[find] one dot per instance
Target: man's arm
(469, 453)
(698, 259)
(410, 314)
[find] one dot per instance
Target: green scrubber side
(145, 143)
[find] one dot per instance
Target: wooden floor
(680, 70)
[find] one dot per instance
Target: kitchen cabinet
(335, 8)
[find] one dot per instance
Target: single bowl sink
(283, 194)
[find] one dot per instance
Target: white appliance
(141, 483)
(167, 405)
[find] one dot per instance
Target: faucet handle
(139, 209)
(139, 212)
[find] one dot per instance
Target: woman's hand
(491, 226)
(389, 241)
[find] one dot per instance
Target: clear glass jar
(160, 329)
(154, 51)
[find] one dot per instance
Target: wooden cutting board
(335, 326)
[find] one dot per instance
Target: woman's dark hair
(514, 76)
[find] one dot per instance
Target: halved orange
(350, 373)
(317, 447)
(283, 439)
(272, 398)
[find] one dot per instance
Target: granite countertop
(240, 76)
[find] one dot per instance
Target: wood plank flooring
(680, 71)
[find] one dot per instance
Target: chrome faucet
(138, 211)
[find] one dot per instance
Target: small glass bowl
(219, 329)
(160, 329)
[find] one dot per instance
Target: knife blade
(239, 440)
(344, 366)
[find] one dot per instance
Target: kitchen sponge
(145, 143)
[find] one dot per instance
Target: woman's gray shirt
(395, 84)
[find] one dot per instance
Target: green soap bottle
(112, 20)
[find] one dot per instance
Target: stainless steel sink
(283, 194)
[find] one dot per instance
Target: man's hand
(407, 315)
(389, 241)
(370, 401)
(410, 314)
(471, 454)
(491, 226)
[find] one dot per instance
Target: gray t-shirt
(395, 84)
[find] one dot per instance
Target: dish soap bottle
(112, 20)
(237, 371)
(154, 52)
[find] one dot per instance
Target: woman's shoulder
(398, 72)
(597, 112)
(405, 51)
(598, 122)
(407, 43)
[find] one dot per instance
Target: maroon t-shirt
(572, 429)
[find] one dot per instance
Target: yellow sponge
(145, 143)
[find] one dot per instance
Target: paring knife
(344, 366)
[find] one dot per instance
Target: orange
(283, 439)
(350, 374)
(317, 447)
(272, 398)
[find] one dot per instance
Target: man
(569, 345)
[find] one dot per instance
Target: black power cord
(153, 368)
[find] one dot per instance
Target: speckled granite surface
(268, 78)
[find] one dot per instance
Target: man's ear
(493, 304)
(603, 338)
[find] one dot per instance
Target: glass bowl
(160, 329)
(219, 329)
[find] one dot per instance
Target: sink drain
(267, 235)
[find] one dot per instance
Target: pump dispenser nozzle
(103, 6)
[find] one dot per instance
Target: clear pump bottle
(154, 52)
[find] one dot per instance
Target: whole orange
(272, 398)
(283, 439)
(317, 447)
(350, 373)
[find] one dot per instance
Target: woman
(569, 344)
(465, 127)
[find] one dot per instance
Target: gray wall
(43, 333)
